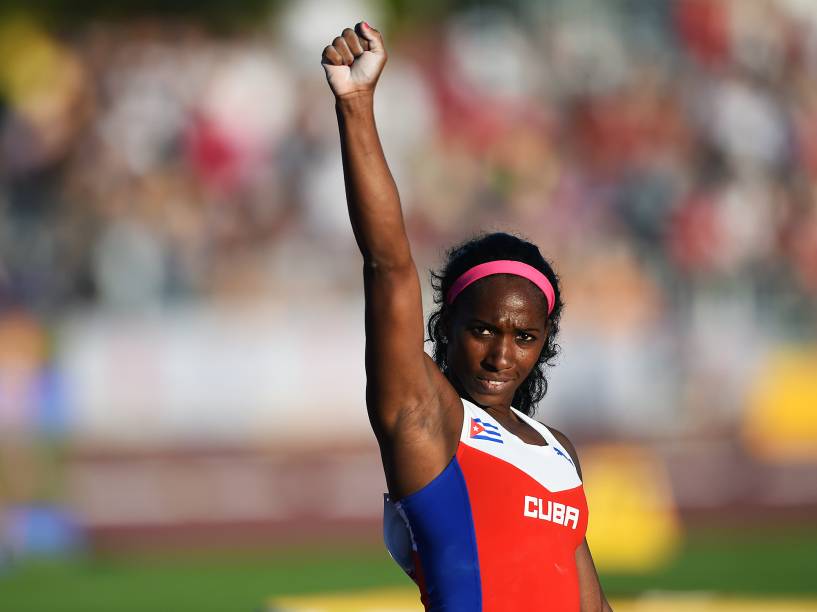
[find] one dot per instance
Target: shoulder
(568, 445)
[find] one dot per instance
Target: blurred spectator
(177, 269)
(660, 155)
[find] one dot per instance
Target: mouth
(493, 385)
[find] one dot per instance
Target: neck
(501, 411)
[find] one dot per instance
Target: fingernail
(367, 26)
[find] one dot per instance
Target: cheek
(464, 350)
(530, 355)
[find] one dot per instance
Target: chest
(524, 432)
(504, 455)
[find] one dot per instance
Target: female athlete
(486, 509)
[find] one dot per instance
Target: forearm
(371, 193)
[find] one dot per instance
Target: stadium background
(181, 372)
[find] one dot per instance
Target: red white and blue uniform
(497, 529)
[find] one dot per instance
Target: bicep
(396, 369)
(590, 591)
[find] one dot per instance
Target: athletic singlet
(497, 529)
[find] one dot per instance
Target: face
(495, 335)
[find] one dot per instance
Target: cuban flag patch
(481, 430)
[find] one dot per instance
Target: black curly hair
(480, 249)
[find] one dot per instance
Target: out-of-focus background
(182, 421)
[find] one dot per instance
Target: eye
(526, 337)
(480, 330)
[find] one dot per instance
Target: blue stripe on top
(491, 438)
(443, 529)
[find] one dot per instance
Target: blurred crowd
(663, 154)
(663, 145)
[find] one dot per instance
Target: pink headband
(503, 266)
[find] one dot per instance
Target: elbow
(387, 256)
(385, 265)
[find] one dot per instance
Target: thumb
(374, 38)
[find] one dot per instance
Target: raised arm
(353, 63)
(402, 391)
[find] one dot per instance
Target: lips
(493, 385)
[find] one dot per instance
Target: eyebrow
(488, 324)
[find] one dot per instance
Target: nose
(500, 354)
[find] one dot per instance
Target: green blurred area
(776, 562)
(218, 14)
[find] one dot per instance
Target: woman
(486, 509)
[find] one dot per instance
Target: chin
(481, 394)
(488, 398)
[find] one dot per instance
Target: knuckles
(348, 46)
(330, 55)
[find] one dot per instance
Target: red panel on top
(526, 535)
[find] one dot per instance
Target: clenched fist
(354, 60)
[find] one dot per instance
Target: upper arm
(398, 374)
(590, 591)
